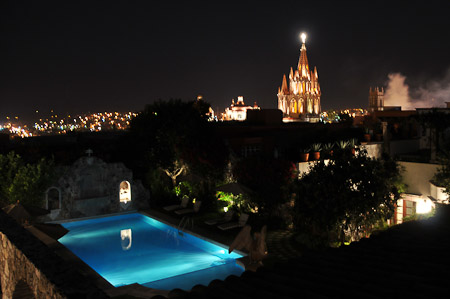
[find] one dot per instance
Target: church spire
(303, 67)
(284, 87)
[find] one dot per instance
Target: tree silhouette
(437, 122)
(348, 195)
(175, 136)
(24, 182)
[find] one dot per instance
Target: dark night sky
(76, 56)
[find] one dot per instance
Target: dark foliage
(268, 178)
(437, 122)
(174, 135)
(24, 182)
(348, 195)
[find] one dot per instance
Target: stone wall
(374, 149)
(26, 262)
(90, 187)
(17, 268)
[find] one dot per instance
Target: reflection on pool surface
(134, 248)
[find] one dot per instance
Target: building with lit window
(300, 100)
(238, 110)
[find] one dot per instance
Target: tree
(9, 166)
(174, 171)
(436, 122)
(24, 182)
(442, 176)
(345, 118)
(202, 107)
(268, 177)
(174, 136)
(157, 132)
(349, 195)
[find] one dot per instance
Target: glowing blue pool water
(134, 248)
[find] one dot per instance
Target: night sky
(74, 56)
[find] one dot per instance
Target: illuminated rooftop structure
(300, 100)
(238, 110)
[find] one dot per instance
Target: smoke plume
(431, 94)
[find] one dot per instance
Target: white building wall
(417, 177)
(374, 149)
(438, 193)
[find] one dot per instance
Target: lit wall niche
(125, 192)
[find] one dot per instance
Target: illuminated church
(300, 100)
(238, 111)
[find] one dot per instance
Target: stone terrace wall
(24, 258)
(16, 267)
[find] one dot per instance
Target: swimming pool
(134, 248)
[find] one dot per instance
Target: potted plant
(351, 144)
(342, 144)
(327, 150)
(341, 147)
(315, 151)
(304, 154)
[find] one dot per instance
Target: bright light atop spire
(303, 37)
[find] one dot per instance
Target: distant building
(300, 100)
(238, 110)
(376, 99)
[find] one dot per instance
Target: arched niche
(22, 290)
(53, 198)
(125, 192)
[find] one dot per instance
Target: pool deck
(281, 244)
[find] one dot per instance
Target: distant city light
(94, 122)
